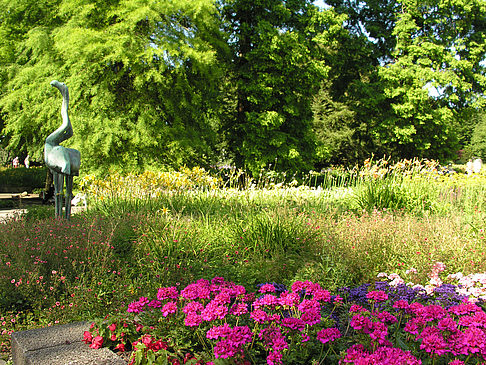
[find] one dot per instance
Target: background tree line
(252, 83)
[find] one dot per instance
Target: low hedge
(21, 178)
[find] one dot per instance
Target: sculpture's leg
(58, 187)
(55, 180)
(68, 196)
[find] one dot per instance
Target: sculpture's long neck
(65, 131)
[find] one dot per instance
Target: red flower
(87, 337)
(112, 327)
(97, 342)
(120, 347)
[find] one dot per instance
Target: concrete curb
(59, 345)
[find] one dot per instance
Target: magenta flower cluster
(280, 323)
(270, 320)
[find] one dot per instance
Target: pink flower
(359, 322)
(379, 333)
(190, 292)
(293, 323)
(328, 335)
(267, 288)
(414, 326)
(473, 340)
(239, 309)
(155, 304)
(138, 306)
(432, 312)
(401, 304)
(120, 347)
(309, 305)
(167, 293)
(192, 307)
(356, 354)
(112, 327)
(225, 349)
(322, 295)
(219, 331)
(386, 317)
(193, 319)
(289, 300)
(214, 311)
(464, 308)
(311, 317)
(377, 295)
(259, 316)
(169, 308)
(433, 342)
(338, 299)
(267, 300)
(357, 308)
(447, 324)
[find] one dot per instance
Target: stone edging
(59, 345)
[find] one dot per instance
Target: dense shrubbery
(28, 179)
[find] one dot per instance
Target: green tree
(332, 126)
(143, 78)
(477, 146)
(373, 19)
(277, 67)
(436, 73)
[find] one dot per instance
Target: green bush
(27, 179)
(477, 147)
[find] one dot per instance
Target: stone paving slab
(59, 345)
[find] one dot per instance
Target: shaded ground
(17, 201)
(12, 204)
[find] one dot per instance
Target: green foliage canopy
(252, 83)
(140, 75)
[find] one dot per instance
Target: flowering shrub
(220, 320)
(212, 322)
(148, 184)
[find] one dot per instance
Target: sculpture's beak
(54, 83)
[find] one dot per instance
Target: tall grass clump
(402, 185)
(419, 187)
(372, 242)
